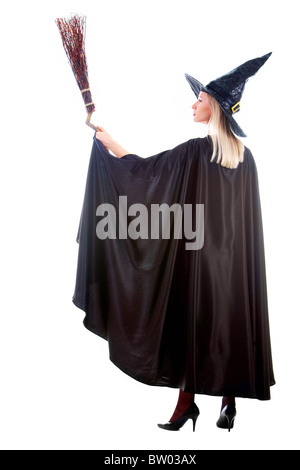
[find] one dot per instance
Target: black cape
(191, 319)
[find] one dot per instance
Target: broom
(72, 32)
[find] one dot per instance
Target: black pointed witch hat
(228, 89)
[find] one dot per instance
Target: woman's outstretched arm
(109, 143)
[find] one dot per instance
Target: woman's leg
(184, 402)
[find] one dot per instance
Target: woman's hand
(104, 137)
(109, 143)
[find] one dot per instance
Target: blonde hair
(228, 150)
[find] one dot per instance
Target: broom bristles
(72, 31)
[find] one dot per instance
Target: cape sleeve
(125, 282)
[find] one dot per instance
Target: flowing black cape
(190, 319)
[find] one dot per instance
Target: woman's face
(202, 108)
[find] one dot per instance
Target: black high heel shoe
(227, 417)
(191, 413)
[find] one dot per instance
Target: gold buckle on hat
(236, 107)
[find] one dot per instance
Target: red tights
(184, 402)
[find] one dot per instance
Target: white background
(58, 388)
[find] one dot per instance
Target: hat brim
(235, 127)
(197, 87)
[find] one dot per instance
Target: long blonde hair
(228, 150)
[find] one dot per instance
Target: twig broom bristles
(72, 32)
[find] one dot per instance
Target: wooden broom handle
(88, 123)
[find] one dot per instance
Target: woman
(176, 314)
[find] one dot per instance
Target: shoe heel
(230, 423)
(194, 422)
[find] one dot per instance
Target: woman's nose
(194, 106)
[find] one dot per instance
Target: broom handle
(88, 123)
